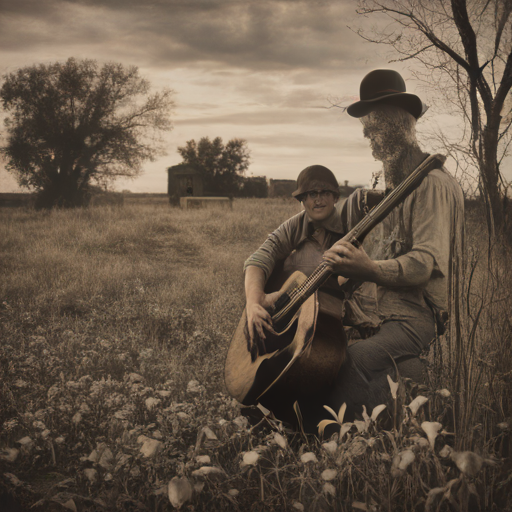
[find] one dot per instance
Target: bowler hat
(315, 177)
(385, 86)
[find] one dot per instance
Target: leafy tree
(223, 166)
(75, 124)
(465, 51)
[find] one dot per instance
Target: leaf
(376, 411)
(341, 412)
(393, 386)
(361, 426)
(417, 403)
(333, 414)
(180, 491)
(209, 433)
(344, 429)
(203, 459)
(321, 426)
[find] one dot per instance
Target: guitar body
(301, 361)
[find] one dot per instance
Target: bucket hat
(315, 177)
(385, 86)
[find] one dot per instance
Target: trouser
(362, 379)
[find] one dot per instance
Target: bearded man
(409, 269)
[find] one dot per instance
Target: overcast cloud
(256, 69)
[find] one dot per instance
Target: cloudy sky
(262, 70)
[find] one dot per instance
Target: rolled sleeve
(277, 246)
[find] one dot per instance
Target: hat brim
(409, 102)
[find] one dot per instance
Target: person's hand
(350, 261)
(259, 320)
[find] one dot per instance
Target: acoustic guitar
(309, 348)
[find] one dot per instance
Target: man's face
(319, 204)
(379, 128)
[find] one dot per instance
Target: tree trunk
(490, 177)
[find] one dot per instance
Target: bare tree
(464, 48)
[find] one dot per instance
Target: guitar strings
(316, 278)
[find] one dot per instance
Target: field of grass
(114, 325)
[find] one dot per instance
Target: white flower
(417, 403)
(431, 428)
(150, 448)
(211, 471)
(329, 489)
(280, 440)
(308, 457)
(91, 474)
(393, 386)
(250, 458)
(179, 491)
(330, 447)
(329, 474)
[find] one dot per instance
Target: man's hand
(259, 320)
(349, 261)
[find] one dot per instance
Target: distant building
(345, 190)
(281, 188)
(254, 186)
(183, 180)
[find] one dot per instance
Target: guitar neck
(377, 214)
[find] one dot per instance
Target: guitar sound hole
(277, 342)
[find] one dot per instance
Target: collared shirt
(416, 246)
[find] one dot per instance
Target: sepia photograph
(254, 255)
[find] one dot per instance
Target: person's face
(378, 129)
(319, 204)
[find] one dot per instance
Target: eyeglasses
(313, 194)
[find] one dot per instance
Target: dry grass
(106, 316)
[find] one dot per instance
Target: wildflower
(469, 463)
(250, 458)
(330, 447)
(308, 457)
(210, 471)
(417, 403)
(445, 451)
(194, 387)
(91, 474)
(209, 433)
(431, 428)
(280, 440)
(329, 474)
(77, 418)
(151, 448)
(329, 489)
(393, 386)
(134, 378)
(401, 462)
(9, 454)
(241, 421)
(179, 491)
(151, 403)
